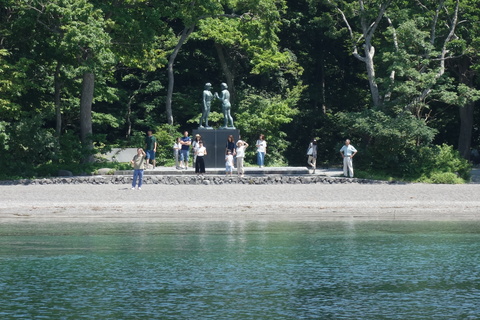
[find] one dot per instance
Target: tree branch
(350, 31)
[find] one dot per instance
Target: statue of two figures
(208, 97)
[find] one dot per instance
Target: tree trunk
(323, 87)
(86, 102)
(57, 100)
(466, 125)
(467, 77)
(226, 71)
(129, 120)
(168, 104)
(370, 66)
(368, 30)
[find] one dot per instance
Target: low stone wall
(194, 180)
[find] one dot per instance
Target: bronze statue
(226, 106)
(207, 102)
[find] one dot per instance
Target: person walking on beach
(241, 146)
(185, 141)
(348, 152)
(261, 150)
(138, 164)
(200, 153)
(312, 155)
(150, 147)
(176, 152)
(229, 163)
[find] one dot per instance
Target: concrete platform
(248, 171)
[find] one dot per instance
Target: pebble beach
(224, 202)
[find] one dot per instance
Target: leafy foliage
(166, 135)
(260, 113)
(443, 160)
(388, 144)
(290, 66)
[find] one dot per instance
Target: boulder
(105, 171)
(64, 173)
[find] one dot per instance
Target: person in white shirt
(229, 163)
(195, 146)
(261, 150)
(241, 146)
(312, 155)
(200, 152)
(176, 152)
(348, 152)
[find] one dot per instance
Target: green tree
(266, 113)
(465, 65)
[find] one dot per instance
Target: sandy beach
(313, 202)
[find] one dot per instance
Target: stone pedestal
(215, 140)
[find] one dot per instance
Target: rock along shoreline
(196, 180)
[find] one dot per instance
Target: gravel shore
(310, 202)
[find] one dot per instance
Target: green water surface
(240, 270)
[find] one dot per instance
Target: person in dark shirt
(185, 141)
(150, 147)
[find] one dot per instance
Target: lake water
(240, 270)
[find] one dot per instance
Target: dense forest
(399, 78)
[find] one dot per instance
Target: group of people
(234, 152)
(347, 152)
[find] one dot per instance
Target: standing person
(348, 152)
(229, 163)
(195, 146)
(241, 146)
(230, 145)
(200, 153)
(150, 147)
(138, 163)
(312, 154)
(176, 151)
(261, 150)
(185, 141)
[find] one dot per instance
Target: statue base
(215, 141)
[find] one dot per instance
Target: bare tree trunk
(370, 66)
(168, 105)
(129, 120)
(368, 30)
(86, 102)
(388, 94)
(226, 71)
(57, 100)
